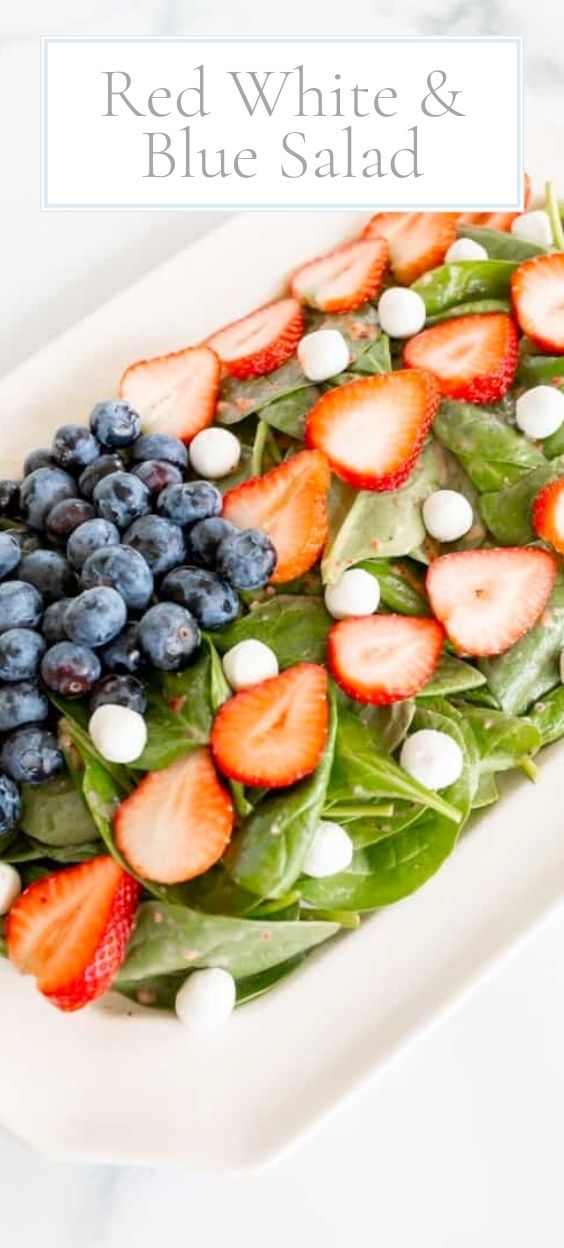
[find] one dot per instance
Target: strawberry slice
(342, 279)
(274, 733)
(497, 220)
(177, 822)
(289, 503)
(537, 291)
(372, 430)
(174, 393)
(487, 599)
(384, 658)
(472, 357)
(260, 342)
(548, 514)
(70, 930)
(417, 241)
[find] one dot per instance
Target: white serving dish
(123, 1085)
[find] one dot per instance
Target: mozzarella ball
(402, 312)
(206, 999)
(465, 249)
(447, 515)
(540, 411)
(10, 886)
(356, 592)
(214, 453)
(248, 663)
(330, 852)
(119, 734)
(433, 758)
(533, 227)
(323, 354)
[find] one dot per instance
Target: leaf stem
(553, 211)
(345, 918)
(359, 810)
(258, 448)
(530, 768)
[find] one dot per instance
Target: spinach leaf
(486, 793)
(531, 668)
(179, 714)
(159, 991)
(375, 359)
(462, 281)
(386, 726)
(503, 740)
(500, 246)
(507, 512)
(535, 370)
(547, 716)
(288, 414)
(452, 676)
(26, 849)
(56, 814)
(474, 307)
(491, 452)
(294, 626)
(402, 587)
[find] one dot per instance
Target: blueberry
(26, 541)
(20, 704)
(210, 600)
(122, 498)
(114, 423)
(96, 616)
(186, 504)
(10, 553)
(41, 458)
(41, 490)
(205, 538)
(119, 691)
(168, 636)
(93, 535)
(21, 605)
(246, 558)
(31, 756)
(53, 622)
(74, 448)
(122, 569)
(96, 472)
(65, 517)
(156, 474)
(9, 498)
(123, 654)
(159, 541)
(49, 572)
(20, 654)
(10, 804)
(160, 446)
(70, 670)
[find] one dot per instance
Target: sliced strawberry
(548, 514)
(274, 733)
(372, 430)
(417, 241)
(260, 342)
(384, 658)
(177, 822)
(289, 504)
(497, 220)
(537, 290)
(342, 279)
(174, 393)
(70, 930)
(487, 599)
(472, 357)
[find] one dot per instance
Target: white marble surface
(460, 1143)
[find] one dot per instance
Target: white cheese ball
(214, 453)
(323, 354)
(402, 312)
(10, 886)
(330, 852)
(465, 249)
(540, 411)
(119, 734)
(533, 227)
(206, 999)
(248, 663)
(433, 758)
(356, 592)
(447, 515)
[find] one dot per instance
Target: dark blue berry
(115, 423)
(67, 516)
(41, 458)
(119, 691)
(20, 704)
(21, 605)
(53, 622)
(26, 541)
(159, 541)
(10, 554)
(102, 467)
(205, 538)
(70, 669)
(210, 600)
(160, 446)
(156, 474)
(122, 498)
(168, 636)
(9, 498)
(74, 448)
(20, 654)
(96, 616)
(124, 570)
(10, 804)
(123, 654)
(188, 503)
(93, 535)
(50, 573)
(246, 558)
(41, 491)
(31, 756)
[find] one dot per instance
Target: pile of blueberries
(111, 562)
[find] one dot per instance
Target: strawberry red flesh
(537, 291)
(417, 241)
(174, 393)
(548, 514)
(261, 341)
(382, 659)
(342, 279)
(473, 357)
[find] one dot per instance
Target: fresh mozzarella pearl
(447, 515)
(533, 227)
(248, 663)
(402, 312)
(331, 851)
(540, 411)
(214, 453)
(10, 886)
(355, 593)
(323, 354)
(206, 999)
(433, 758)
(465, 249)
(119, 734)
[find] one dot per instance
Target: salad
(275, 622)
